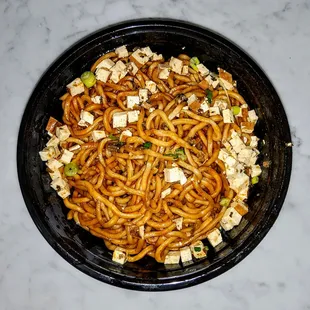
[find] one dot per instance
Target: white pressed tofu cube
(119, 256)
(203, 69)
(49, 153)
(66, 157)
(55, 174)
(192, 98)
(121, 52)
(247, 127)
(254, 141)
(223, 154)
(96, 99)
(185, 70)
(157, 57)
(147, 51)
(115, 76)
(239, 181)
(197, 249)
(183, 178)
(215, 83)
(132, 101)
(63, 133)
(163, 73)
(204, 105)
(186, 254)
(172, 174)
(151, 86)
(215, 237)
(178, 223)
(165, 193)
(241, 207)
(54, 164)
(230, 219)
(252, 117)
(245, 156)
(222, 104)
(214, 111)
(255, 171)
(140, 57)
(143, 95)
(141, 231)
(173, 257)
(53, 141)
(176, 65)
(226, 84)
(58, 184)
(86, 118)
(230, 171)
(212, 81)
(132, 68)
(76, 87)
(106, 63)
(243, 194)
(74, 147)
(64, 192)
(228, 116)
(133, 116)
(119, 119)
(102, 74)
(126, 133)
(119, 70)
(230, 161)
(236, 143)
(98, 135)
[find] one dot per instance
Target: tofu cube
(132, 68)
(98, 135)
(186, 254)
(119, 70)
(157, 57)
(64, 192)
(165, 193)
(212, 81)
(132, 101)
(230, 171)
(63, 133)
(214, 111)
(239, 181)
(191, 99)
(254, 141)
(173, 257)
(228, 116)
(223, 154)
(53, 141)
(222, 104)
(106, 63)
(204, 84)
(182, 176)
(76, 87)
(203, 69)
(86, 119)
(141, 232)
(125, 134)
(240, 207)
(236, 143)
(143, 95)
(247, 127)
(119, 119)
(197, 249)
(255, 171)
(172, 174)
(121, 52)
(225, 84)
(58, 183)
(49, 153)
(230, 219)
(133, 116)
(74, 147)
(215, 237)
(66, 157)
(176, 65)
(96, 99)
(185, 70)
(119, 256)
(178, 223)
(164, 73)
(54, 164)
(139, 58)
(204, 106)
(151, 86)
(252, 117)
(147, 51)
(55, 174)
(102, 74)
(245, 156)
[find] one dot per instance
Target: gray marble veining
(276, 33)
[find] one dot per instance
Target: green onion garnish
(224, 202)
(209, 95)
(236, 110)
(71, 169)
(88, 78)
(197, 249)
(254, 180)
(147, 145)
(194, 61)
(112, 137)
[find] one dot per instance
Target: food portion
(154, 156)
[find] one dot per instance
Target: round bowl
(169, 37)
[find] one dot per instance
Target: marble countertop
(275, 275)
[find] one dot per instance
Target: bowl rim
(192, 279)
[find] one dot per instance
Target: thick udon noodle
(118, 188)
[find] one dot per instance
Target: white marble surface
(276, 275)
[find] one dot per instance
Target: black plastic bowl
(88, 253)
